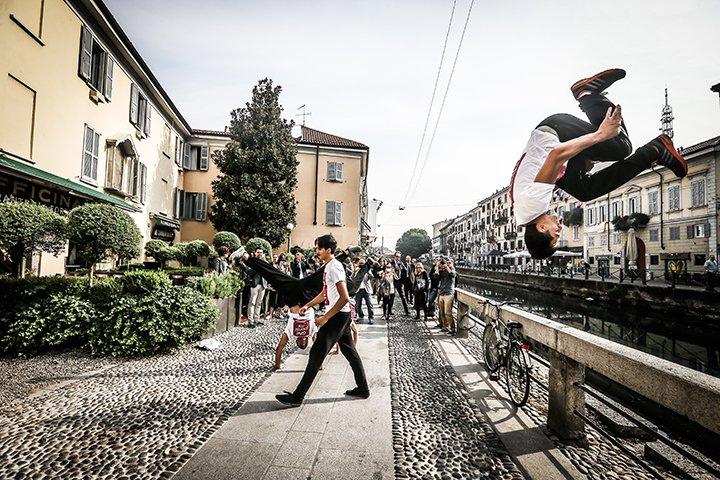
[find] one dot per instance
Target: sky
(366, 71)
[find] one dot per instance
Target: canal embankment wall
(619, 295)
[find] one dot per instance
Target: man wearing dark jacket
(403, 276)
(299, 267)
(257, 285)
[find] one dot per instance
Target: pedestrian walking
(446, 292)
(333, 327)
(402, 275)
(364, 291)
(562, 150)
(257, 286)
(420, 287)
(409, 279)
(711, 268)
(386, 290)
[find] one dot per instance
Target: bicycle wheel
(517, 374)
(491, 340)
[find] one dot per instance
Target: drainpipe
(317, 172)
(662, 235)
(608, 227)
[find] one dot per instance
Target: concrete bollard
(565, 398)
(463, 323)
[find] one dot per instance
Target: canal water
(687, 340)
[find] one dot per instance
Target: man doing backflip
(333, 327)
(561, 151)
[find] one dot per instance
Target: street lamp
(290, 226)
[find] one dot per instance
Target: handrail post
(564, 398)
(463, 321)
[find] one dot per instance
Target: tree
(27, 227)
(101, 232)
(254, 195)
(414, 242)
(228, 239)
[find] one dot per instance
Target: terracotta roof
(212, 133)
(310, 136)
(712, 142)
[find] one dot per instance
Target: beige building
(331, 192)
(83, 119)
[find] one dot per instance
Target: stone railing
(689, 393)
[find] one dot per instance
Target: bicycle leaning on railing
(504, 347)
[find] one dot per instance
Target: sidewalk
(329, 437)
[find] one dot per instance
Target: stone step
(663, 455)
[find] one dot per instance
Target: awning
(165, 222)
(37, 175)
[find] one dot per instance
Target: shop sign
(15, 188)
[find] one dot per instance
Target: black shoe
(370, 322)
(258, 323)
(251, 325)
(288, 399)
(669, 157)
(598, 83)
(356, 392)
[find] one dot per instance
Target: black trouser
(421, 303)
(432, 297)
(710, 285)
(359, 296)
(336, 330)
(400, 290)
(408, 290)
(387, 303)
(576, 180)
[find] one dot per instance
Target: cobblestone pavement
(137, 420)
(601, 460)
(438, 432)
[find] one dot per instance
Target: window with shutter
(338, 213)
(691, 231)
(148, 115)
(187, 160)
(134, 104)
(107, 82)
(330, 171)
(653, 203)
(329, 213)
(85, 67)
(189, 205)
(673, 198)
(143, 183)
(338, 171)
(697, 193)
(674, 233)
(201, 205)
(204, 157)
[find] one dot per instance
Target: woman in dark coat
(420, 286)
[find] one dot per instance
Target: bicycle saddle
(514, 325)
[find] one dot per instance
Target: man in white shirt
(333, 327)
(299, 329)
(564, 139)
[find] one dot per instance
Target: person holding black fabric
(334, 327)
(420, 286)
(402, 275)
(257, 286)
(433, 291)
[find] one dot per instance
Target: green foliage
(255, 243)
(635, 220)
(190, 251)
(168, 253)
(103, 231)
(186, 271)
(255, 192)
(144, 281)
(59, 320)
(229, 239)
(158, 322)
(217, 286)
(152, 247)
(574, 217)
(27, 227)
(414, 242)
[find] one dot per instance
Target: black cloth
(336, 330)
(576, 181)
(253, 277)
(400, 284)
(299, 267)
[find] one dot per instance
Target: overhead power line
(442, 105)
(432, 101)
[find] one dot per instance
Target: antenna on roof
(303, 114)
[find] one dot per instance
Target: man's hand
(610, 126)
(303, 309)
(319, 322)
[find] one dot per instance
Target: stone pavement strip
(329, 437)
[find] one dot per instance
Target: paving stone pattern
(601, 460)
(138, 420)
(438, 432)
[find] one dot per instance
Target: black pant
(387, 303)
(710, 285)
(400, 290)
(576, 180)
(421, 303)
(336, 330)
(359, 296)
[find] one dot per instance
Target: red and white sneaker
(668, 156)
(598, 82)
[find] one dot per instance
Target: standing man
(402, 275)
(363, 276)
(334, 327)
(257, 286)
(446, 292)
(410, 279)
(711, 268)
(299, 266)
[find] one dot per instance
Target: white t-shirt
(290, 327)
(530, 198)
(334, 272)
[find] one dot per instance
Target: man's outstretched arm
(609, 128)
